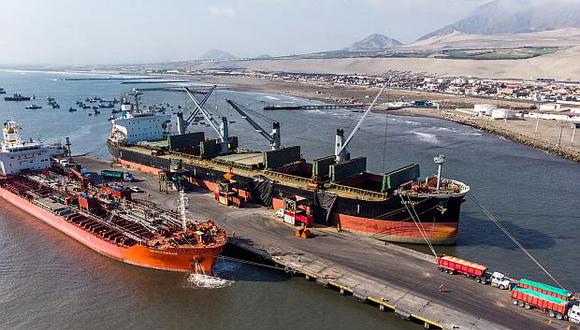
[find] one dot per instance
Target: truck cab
(500, 281)
(574, 314)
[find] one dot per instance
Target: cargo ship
(17, 97)
(398, 206)
(39, 179)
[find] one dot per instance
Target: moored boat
(103, 217)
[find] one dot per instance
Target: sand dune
(554, 38)
(563, 64)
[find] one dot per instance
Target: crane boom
(202, 103)
(273, 138)
(206, 115)
(342, 148)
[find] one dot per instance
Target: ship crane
(220, 128)
(340, 148)
(183, 124)
(273, 138)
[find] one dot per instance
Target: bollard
(381, 307)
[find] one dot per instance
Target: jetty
(314, 107)
(385, 276)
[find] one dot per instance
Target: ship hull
(388, 219)
(199, 260)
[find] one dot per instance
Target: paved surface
(407, 279)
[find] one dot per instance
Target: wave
(426, 137)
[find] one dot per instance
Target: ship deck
(222, 164)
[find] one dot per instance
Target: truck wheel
(477, 279)
(502, 287)
(515, 302)
(559, 316)
(552, 314)
(521, 303)
(527, 306)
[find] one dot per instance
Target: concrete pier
(387, 276)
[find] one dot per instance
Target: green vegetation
(497, 54)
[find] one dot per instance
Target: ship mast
(183, 205)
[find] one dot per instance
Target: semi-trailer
(474, 270)
(545, 289)
(117, 175)
(558, 303)
(556, 307)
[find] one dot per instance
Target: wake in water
(426, 137)
(202, 281)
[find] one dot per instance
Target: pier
(385, 276)
(314, 107)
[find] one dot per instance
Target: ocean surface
(49, 281)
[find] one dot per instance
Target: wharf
(384, 275)
(314, 107)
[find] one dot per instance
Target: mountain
(217, 55)
(516, 16)
(375, 42)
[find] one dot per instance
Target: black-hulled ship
(335, 190)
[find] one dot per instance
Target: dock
(385, 276)
(314, 107)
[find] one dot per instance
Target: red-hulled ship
(398, 205)
(105, 219)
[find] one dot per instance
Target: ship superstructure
(17, 154)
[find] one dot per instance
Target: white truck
(500, 281)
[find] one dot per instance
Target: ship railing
(288, 177)
(357, 191)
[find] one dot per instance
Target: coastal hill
(515, 16)
(217, 55)
(525, 39)
(375, 41)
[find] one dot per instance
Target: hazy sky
(131, 31)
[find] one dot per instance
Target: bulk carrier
(102, 217)
(399, 205)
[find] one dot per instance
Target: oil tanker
(335, 190)
(102, 217)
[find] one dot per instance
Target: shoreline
(552, 136)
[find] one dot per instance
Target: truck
(117, 175)
(556, 307)
(474, 270)
(545, 289)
